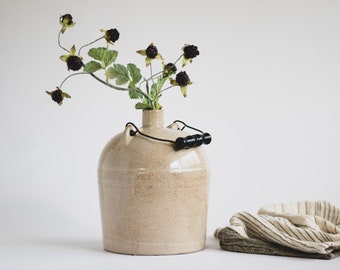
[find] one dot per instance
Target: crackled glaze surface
(153, 199)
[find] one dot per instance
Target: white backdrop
(266, 86)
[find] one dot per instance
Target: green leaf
(110, 73)
(134, 93)
(105, 56)
(92, 67)
(157, 87)
(158, 106)
(97, 53)
(109, 57)
(118, 72)
(134, 73)
(142, 106)
(160, 83)
(153, 91)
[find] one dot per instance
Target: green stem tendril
(105, 83)
(147, 86)
(69, 76)
(179, 58)
(151, 76)
(59, 43)
(88, 44)
(108, 84)
(163, 90)
(155, 75)
(117, 87)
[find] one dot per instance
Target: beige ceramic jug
(153, 198)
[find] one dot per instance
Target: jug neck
(152, 118)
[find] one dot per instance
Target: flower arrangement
(125, 77)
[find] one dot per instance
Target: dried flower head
(74, 62)
(151, 52)
(66, 21)
(111, 35)
(182, 80)
(58, 95)
(189, 52)
(169, 69)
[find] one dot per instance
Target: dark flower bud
(151, 51)
(57, 96)
(74, 62)
(182, 79)
(66, 19)
(112, 35)
(170, 68)
(190, 51)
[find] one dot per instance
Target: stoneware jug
(153, 198)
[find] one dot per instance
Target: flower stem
(179, 58)
(108, 84)
(155, 75)
(74, 74)
(59, 43)
(119, 88)
(147, 86)
(151, 76)
(163, 90)
(88, 44)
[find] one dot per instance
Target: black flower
(74, 62)
(151, 52)
(182, 80)
(189, 52)
(111, 35)
(169, 69)
(66, 21)
(58, 95)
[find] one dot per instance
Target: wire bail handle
(181, 142)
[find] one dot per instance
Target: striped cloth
(300, 229)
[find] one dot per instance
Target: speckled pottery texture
(153, 198)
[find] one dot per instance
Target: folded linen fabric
(300, 229)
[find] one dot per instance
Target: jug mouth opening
(152, 118)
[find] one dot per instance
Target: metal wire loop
(181, 142)
(134, 132)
